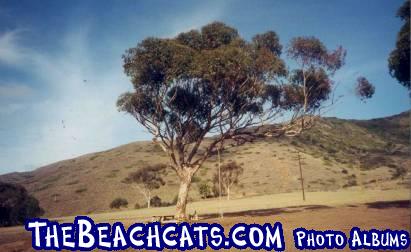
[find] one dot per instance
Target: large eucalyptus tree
(202, 87)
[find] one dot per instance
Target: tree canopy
(213, 81)
(364, 89)
(399, 59)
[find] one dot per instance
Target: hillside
(336, 154)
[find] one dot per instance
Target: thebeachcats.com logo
(85, 235)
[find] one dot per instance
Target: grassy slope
(282, 202)
(336, 154)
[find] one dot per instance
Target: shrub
(119, 202)
(204, 190)
(16, 205)
(138, 206)
(174, 202)
(368, 162)
(155, 201)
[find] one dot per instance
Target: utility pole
(219, 182)
(301, 174)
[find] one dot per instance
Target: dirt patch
(266, 212)
(389, 204)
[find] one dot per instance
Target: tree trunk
(185, 182)
(228, 192)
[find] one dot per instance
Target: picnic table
(162, 218)
(170, 218)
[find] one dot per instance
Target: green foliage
(183, 85)
(217, 34)
(311, 83)
(312, 53)
(364, 89)
(399, 60)
(212, 81)
(155, 201)
(316, 79)
(269, 41)
(16, 205)
(118, 203)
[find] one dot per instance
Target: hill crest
(337, 154)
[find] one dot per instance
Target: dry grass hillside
(336, 154)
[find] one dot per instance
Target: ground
(339, 210)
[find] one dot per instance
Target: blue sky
(60, 63)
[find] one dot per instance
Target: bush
(204, 190)
(195, 179)
(16, 205)
(371, 162)
(155, 201)
(119, 202)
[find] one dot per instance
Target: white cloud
(78, 115)
(10, 108)
(10, 52)
(201, 15)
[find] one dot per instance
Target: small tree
(147, 179)
(311, 83)
(230, 173)
(364, 89)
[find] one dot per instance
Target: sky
(61, 67)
